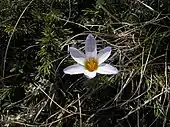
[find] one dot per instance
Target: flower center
(91, 64)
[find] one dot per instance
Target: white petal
(89, 74)
(74, 69)
(77, 55)
(104, 54)
(90, 46)
(107, 69)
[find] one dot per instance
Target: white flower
(90, 63)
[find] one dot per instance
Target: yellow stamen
(91, 64)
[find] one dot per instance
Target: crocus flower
(90, 63)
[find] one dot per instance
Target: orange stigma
(91, 64)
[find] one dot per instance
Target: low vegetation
(35, 36)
